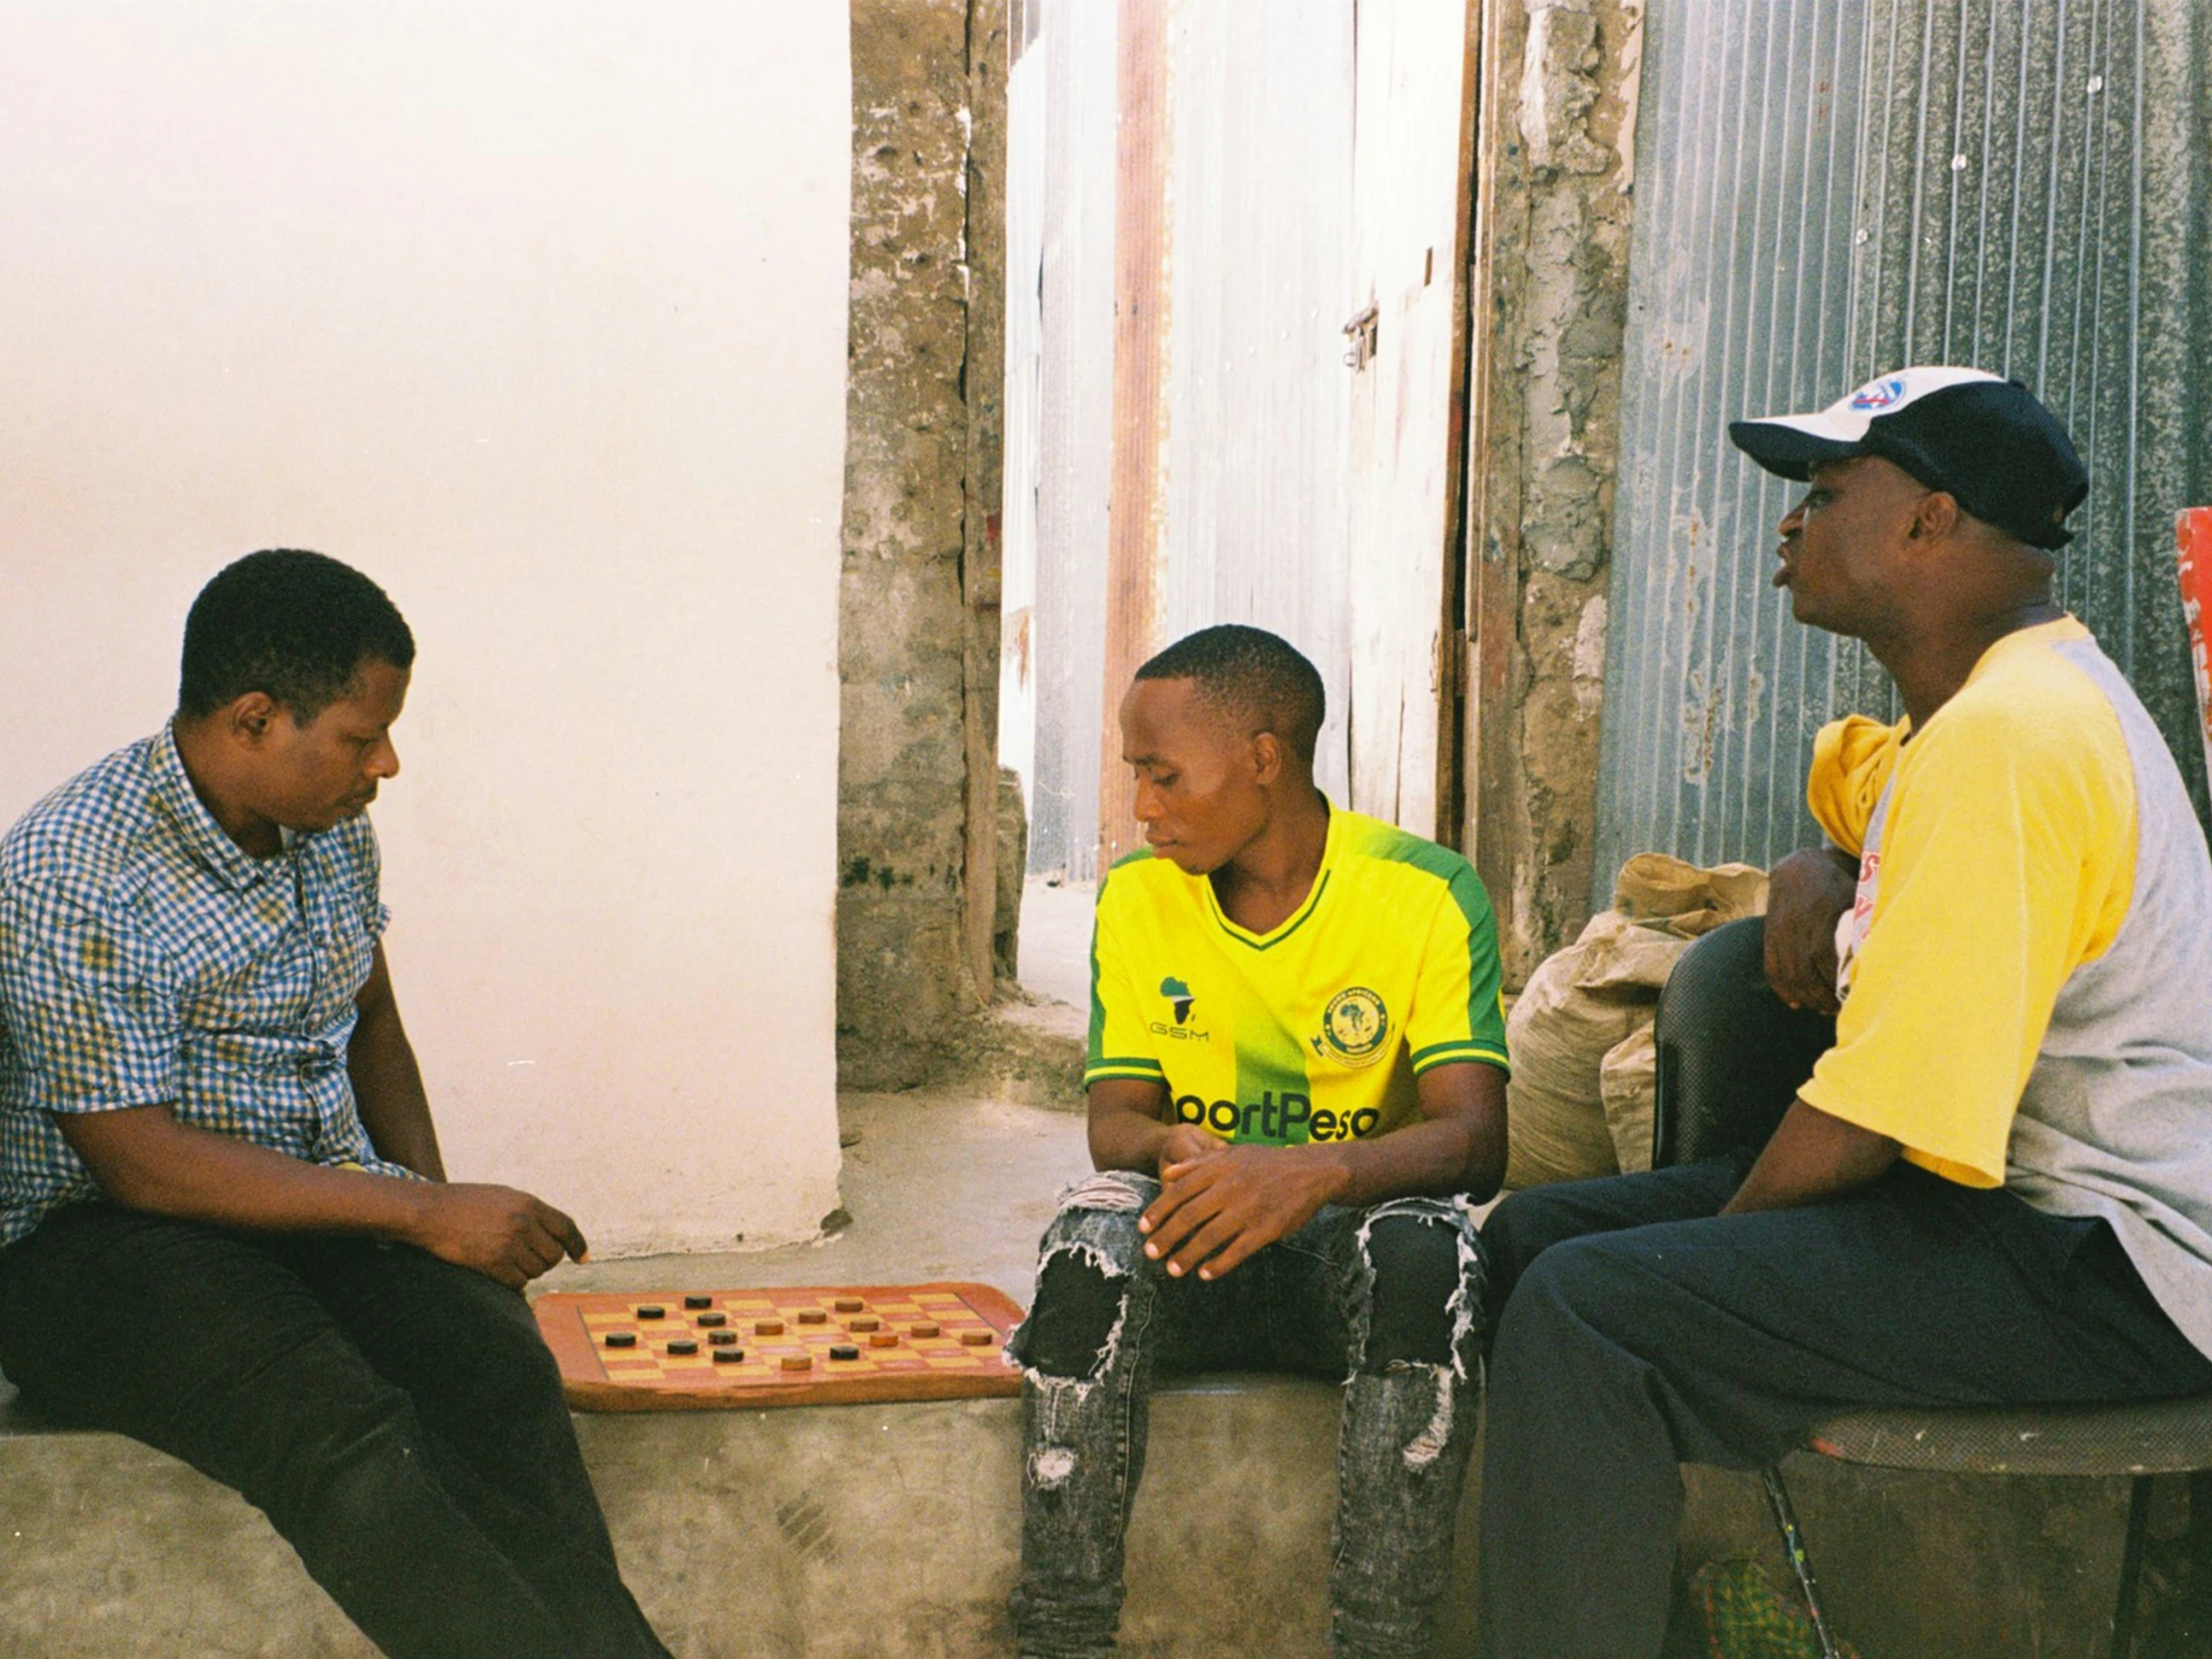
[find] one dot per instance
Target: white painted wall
(535, 313)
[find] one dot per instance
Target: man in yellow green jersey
(1995, 1185)
(1296, 1082)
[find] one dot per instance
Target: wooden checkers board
(679, 1351)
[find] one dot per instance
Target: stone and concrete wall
(1550, 293)
(917, 769)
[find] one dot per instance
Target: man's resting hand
(1807, 896)
(1224, 1205)
(499, 1232)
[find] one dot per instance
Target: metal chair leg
(1801, 1563)
(2131, 1567)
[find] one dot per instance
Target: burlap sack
(1579, 1104)
(1556, 1035)
(1628, 1086)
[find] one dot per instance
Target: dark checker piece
(722, 1339)
(682, 1346)
(699, 1302)
(622, 1339)
(728, 1355)
(843, 1351)
(711, 1319)
(652, 1312)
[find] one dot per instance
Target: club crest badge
(1354, 1027)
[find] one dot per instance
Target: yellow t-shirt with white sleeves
(1996, 855)
(1317, 1030)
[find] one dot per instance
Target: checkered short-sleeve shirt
(146, 958)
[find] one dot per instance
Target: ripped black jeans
(1386, 1301)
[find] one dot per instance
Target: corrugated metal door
(1412, 136)
(1252, 525)
(1833, 188)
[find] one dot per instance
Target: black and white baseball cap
(1983, 439)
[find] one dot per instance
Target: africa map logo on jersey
(1179, 994)
(1878, 394)
(1354, 1028)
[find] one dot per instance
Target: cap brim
(1791, 447)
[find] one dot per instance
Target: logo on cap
(1878, 394)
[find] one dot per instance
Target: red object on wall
(2193, 535)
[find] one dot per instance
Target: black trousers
(397, 1417)
(1635, 1330)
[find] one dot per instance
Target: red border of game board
(561, 1321)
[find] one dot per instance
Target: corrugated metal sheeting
(1832, 188)
(1059, 404)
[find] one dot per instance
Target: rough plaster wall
(1563, 85)
(983, 386)
(909, 635)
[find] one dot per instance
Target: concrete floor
(1055, 952)
(939, 1186)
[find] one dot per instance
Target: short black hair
(1249, 672)
(292, 624)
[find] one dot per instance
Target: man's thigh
(1531, 1221)
(1355, 1288)
(461, 1345)
(1913, 1291)
(190, 1338)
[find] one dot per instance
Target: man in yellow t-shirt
(1296, 1081)
(1996, 1184)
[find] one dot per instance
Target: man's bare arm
(1813, 1158)
(387, 1084)
(1128, 1124)
(1219, 1210)
(144, 1159)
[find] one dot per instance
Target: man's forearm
(1427, 1159)
(145, 1159)
(1126, 1140)
(1813, 1158)
(389, 1093)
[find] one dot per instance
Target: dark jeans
(1383, 1299)
(398, 1419)
(1635, 1330)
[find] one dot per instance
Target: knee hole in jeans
(1078, 1303)
(1415, 1262)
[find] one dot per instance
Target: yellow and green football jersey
(1317, 1030)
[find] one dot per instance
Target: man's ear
(1936, 517)
(1267, 759)
(250, 716)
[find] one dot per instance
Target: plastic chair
(1731, 1056)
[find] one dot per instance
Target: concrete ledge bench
(892, 1532)
(828, 1532)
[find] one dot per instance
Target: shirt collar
(209, 845)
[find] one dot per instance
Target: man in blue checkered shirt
(225, 1227)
